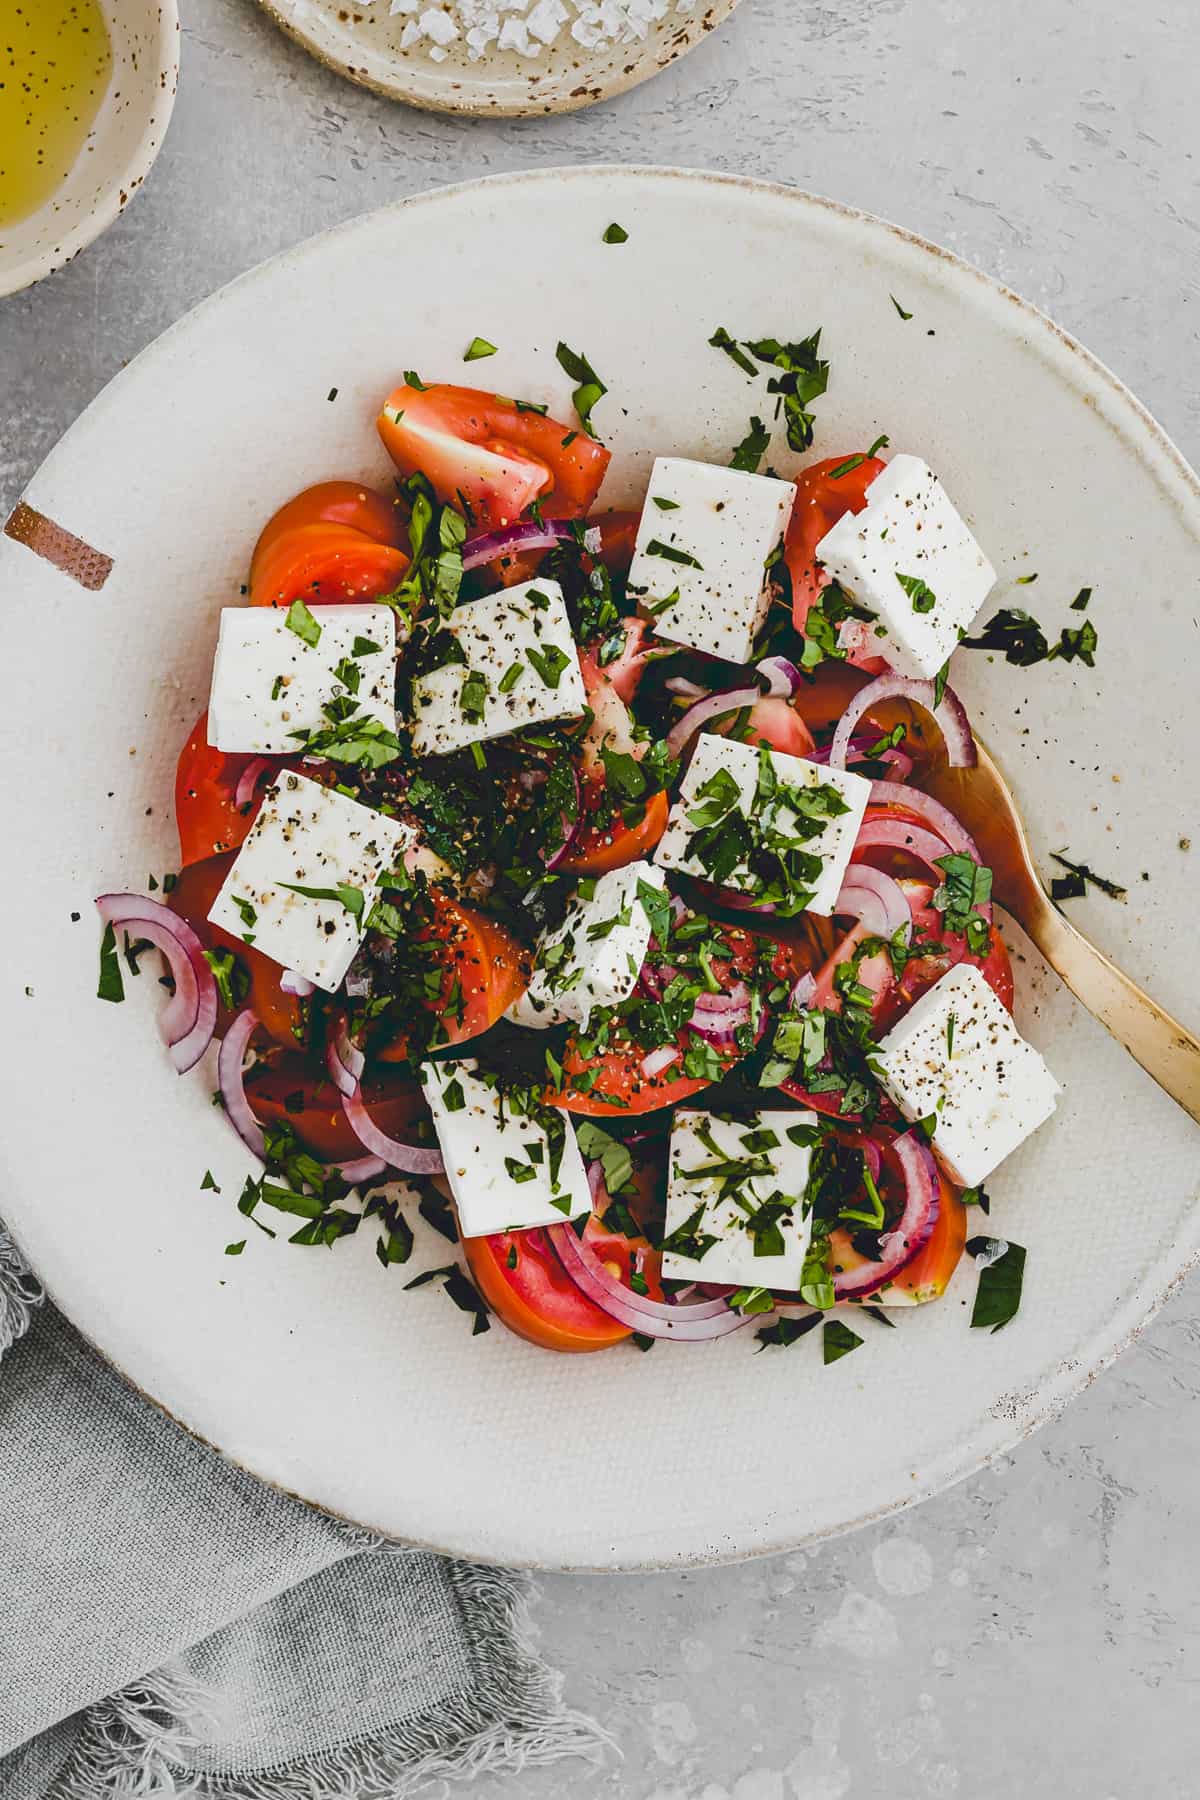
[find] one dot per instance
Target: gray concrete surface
(1036, 1632)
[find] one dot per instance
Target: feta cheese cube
(727, 1180)
(910, 558)
(706, 535)
(750, 820)
(270, 682)
(519, 667)
(309, 836)
(508, 1171)
(594, 957)
(958, 1055)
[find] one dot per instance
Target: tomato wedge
(324, 565)
(484, 969)
(286, 1090)
(822, 498)
(598, 848)
(342, 503)
(482, 449)
(207, 815)
(522, 1280)
(280, 1015)
(775, 722)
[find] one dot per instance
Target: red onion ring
(690, 690)
(716, 1017)
(782, 676)
(715, 706)
(652, 1318)
(249, 779)
(900, 764)
(344, 1061)
(526, 534)
(231, 1082)
(365, 1168)
(903, 835)
(937, 816)
(410, 1159)
(950, 718)
(909, 1236)
(190, 1017)
(874, 898)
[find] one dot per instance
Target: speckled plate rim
(441, 90)
(125, 180)
(1097, 386)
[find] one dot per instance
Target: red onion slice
(652, 1318)
(249, 779)
(903, 835)
(291, 982)
(190, 1017)
(344, 1061)
(909, 1236)
(232, 1084)
(950, 718)
(938, 817)
(527, 534)
(366, 1168)
(689, 690)
(410, 1159)
(874, 898)
(900, 764)
(658, 1060)
(715, 706)
(781, 676)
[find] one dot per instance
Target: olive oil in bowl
(55, 63)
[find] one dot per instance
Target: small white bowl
(119, 149)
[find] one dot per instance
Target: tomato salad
(571, 871)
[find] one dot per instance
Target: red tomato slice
(286, 1089)
(342, 503)
(775, 722)
(522, 1280)
(324, 565)
(821, 500)
(619, 1072)
(598, 848)
(207, 815)
(485, 970)
(281, 1015)
(483, 449)
(618, 539)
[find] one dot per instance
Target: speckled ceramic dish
(118, 153)
(315, 1368)
(365, 42)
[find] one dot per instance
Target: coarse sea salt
(527, 27)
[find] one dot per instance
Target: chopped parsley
(590, 389)
(923, 598)
(803, 378)
(616, 234)
(461, 1290)
(966, 886)
(753, 447)
(342, 895)
(1001, 1278)
(358, 743)
(671, 553)
(721, 340)
(301, 621)
(477, 349)
(1021, 640)
(472, 698)
(112, 984)
(837, 1340)
(787, 1330)
(549, 663)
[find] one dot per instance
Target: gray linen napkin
(173, 1627)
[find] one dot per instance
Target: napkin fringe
(21, 1293)
(137, 1743)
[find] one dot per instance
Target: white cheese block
(911, 559)
(309, 836)
(705, 1144)
(730, 524)
(717, 761)
(593, 958)
(498, 1162)
(520, 668)
(269, 682)
(986, 1086)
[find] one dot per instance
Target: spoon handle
(1167, 1050)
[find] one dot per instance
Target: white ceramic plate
(364, 41)
(314, 1369)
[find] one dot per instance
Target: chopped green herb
(1080, 602)
(235, 1249)
(364, 646)
(413, 380)
(477, 349)
(1082, 873)
(721, 340)
(616, 234)
(837, 1340)
(804, 378)
(510, 677)
(343, 894)
(225, 970)
(923, 598)
(670, 553)
(898, 307)
(461, 1290)
(549, 663)
(472, 698)
(208, 1185)
(301, 621)
(665, 505)
(998, 1295)
(1026, 580)
(590, 389)
(112, 984)
(753, 447)
(787, 1330)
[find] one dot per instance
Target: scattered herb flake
(998, 1295)
(616, 234)
(590, 389)
(111, 985)
(477, 349)
(301, 621)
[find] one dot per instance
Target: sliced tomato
(598, 848)
(775, 722)
(324, 565)
(621, 1086)
(928, 1275)
(343, 503)
(618, 539)
(484, 969)
(624, 672)
(522, 1280)
(287, 1090)
(281, 1015)
(483, 450)
(207, 815)
(822, 498)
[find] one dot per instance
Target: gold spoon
(980, 797)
